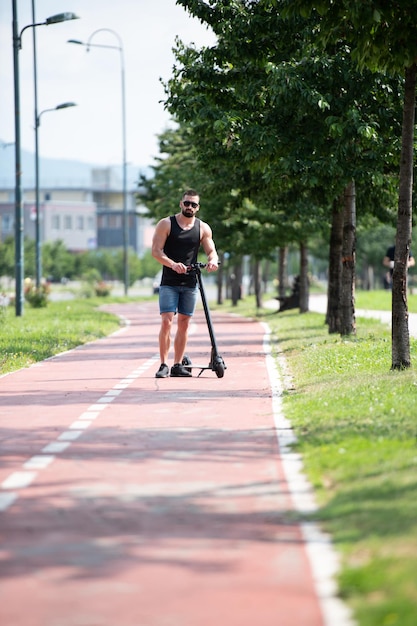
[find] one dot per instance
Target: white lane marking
(70, 435)
(6, 500)
(89, 415)
(324, 560)
(55, 447)
(18, 480)
(80, 425)
(97, 407)
(39, 461)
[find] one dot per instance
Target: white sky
(92, 131)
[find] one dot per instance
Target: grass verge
(41, 333)
(356, 426)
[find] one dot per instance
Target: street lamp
(17, 45)
(124, 162)
(64, 105)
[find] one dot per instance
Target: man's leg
(181, 337)
(165, 335)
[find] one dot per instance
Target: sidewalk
(318, 304)
(127, 500)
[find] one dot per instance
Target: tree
(383, 36)
(265, 103)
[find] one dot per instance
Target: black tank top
(181, 246)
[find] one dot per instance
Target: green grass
(41, 333)
(356, 423)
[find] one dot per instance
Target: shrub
(102, 289)
(37, 297)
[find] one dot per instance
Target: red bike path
(127, 500)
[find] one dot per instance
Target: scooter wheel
(186, 361)
(219, 368)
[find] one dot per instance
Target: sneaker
(163, 371)
(179, 370)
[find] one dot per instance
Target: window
(80, 222)
(56, 222)
(7, 223)
(90, 223)
(115, 221)
(67, 222)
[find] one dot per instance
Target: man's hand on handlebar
(180, 268)
(212, 266)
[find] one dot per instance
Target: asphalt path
(127, 500)
(318, 304)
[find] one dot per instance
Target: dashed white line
(70, 435)
(18, 480)
(39, 461)
(55, 447)
(97, 407)
(89, 415)
(6, 500)
(80, 425)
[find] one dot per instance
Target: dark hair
(190, 192)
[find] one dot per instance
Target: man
(388, 261)
(176, 242)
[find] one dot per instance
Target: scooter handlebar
(195, 266)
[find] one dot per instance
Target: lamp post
(119, 47)
(64, 105)
(17, 45)
(55, 19)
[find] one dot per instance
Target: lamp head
(65, 105)
(77, 41)
(61, 17)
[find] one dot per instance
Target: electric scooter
(216, 362)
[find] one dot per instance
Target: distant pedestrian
(388, 261)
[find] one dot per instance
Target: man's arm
(209, 248)
(160, 236)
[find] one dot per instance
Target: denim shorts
(177, 299)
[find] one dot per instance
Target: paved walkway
(131, 501)
(318, 303)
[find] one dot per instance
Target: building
(84, 216)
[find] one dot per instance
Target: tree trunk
(304, 283)
(265, 275)
(220, 278)
(236, 283)
(335, 269)
(257, 283)
(282, 273)
(400, 333)
(347, 299)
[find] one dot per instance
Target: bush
(37, 297)
(102, 289)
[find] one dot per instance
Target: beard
(187, 212)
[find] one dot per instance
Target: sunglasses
(187, 204)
